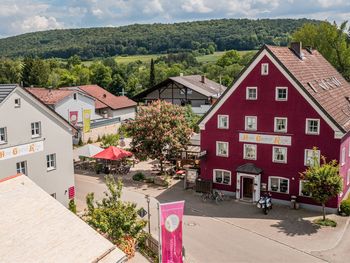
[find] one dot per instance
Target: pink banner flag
(171, 231)
(73, 117)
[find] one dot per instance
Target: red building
(259, 136)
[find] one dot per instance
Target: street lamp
(149, 214)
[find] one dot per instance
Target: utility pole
(148, 213)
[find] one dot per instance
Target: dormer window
(264, 69)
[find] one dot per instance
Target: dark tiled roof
(321, 80)
(249, 168)
(209, 88)
(5, 90)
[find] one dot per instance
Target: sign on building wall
(21, 150)
(73, 117)
(265, 139)
(86, 120)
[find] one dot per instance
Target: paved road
(208, 239)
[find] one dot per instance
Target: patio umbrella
(112, 153)
(87, 150)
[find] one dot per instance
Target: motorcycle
(265, 202)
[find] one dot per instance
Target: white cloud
(195, 6)
(97, 12)
(154, 6)
(38, 23)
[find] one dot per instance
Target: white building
(36, 228)
(35, 141)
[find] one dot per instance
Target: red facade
(296, 109)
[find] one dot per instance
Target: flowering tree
(159, 131)
(322, 181)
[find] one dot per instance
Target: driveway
(234, 231)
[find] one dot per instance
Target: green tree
(100, 74)
(330, 40)
(159, 131)
(152, 75)
(322, 181)
(73, 61)
(26, 72)
(113, 217)
(10, 71)
(110, 140)
(229, 58)
(192, 118)
(35, 72)
(117, 85)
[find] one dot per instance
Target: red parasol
(112, 153)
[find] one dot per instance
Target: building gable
(263, 54)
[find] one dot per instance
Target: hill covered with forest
(202, 36)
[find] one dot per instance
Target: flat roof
(37, 228)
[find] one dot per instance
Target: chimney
(297, 48)
(203, 78)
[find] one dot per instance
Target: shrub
(138, 177)
(345, 207)
(98, 138)
(110, 140)
(325, 222)
(80, 142)
(72, 206)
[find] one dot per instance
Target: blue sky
(21, 16)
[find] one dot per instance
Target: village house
(260, 134)
(35, 141)
(194, 90)
(40, 229)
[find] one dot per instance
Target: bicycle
(216, 195)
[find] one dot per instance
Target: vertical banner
(86, 120)
(73, 117)
(171, 215)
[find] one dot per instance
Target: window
(36, 129)
(222, 177)
(281, 94)
(3, 135)
(348, 177)
(17, 103)
(312, 157)
(280, 124)
(182, 91)
(343, 156)
(279, 154)
(223, 121)
(312, 126)
(279, 185)
(222, 149)
(264, 69)
(252, 93)
(302, 190)
(251, 123)
(249, 151)
(51, 162)
(21, 167)
(74, 96)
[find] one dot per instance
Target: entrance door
(247, 187)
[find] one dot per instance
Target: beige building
(35, 141)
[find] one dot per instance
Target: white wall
(56, 139)
(81, 103)
(125, 113)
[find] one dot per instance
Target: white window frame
(4, 134)
(274, 159)
(183, 91)
(307, 127)
(275, 124)
(219, 121)
(35, 135)
(20, 166)
(343, 156)
(222, 171)
(348, 177)
(247, 93)
(300, 189)
(245, 151)
(51, 162)
(276, 95)
(279, 184)
(217, 149)
(264, 69)
(17, 102)
(306, 156)
(246, 123)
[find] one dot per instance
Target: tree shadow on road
(297, 227)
